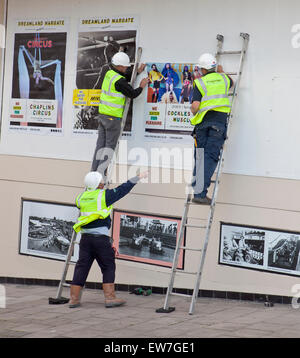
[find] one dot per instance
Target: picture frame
(146, 238)
(46, 229)
(260, 248)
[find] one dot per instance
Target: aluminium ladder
(179, 246)
(59, 299)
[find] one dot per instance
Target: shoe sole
(111, 305)
(75, 305)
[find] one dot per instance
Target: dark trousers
(108, 135)
(210, 137)
(93, 247)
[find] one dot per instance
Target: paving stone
(28, 315)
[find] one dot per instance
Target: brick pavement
(28, 315)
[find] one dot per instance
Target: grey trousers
(108, 135)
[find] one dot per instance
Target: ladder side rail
(220, 40)
(237, 83)
(176, 254)
(66, 265)
(202, 260)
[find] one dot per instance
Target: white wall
(264, 134)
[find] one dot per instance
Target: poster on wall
(46, 229)
(98, 40)
(146, 238)
(168, 102)
(260, 248)
(36, 104)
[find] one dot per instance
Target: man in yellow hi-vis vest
(210, 107)
(114, 90)
(95, 206)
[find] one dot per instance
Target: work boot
(75, 294)
(202, 201)
(110, 297)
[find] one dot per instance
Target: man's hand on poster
(144, 82)
(220, 69)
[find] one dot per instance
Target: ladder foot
(220, 37)
(244, 35)
(165, 310)
(58, 301)
(268, 304)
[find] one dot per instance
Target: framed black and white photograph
(260, 248)
(47, 228)
(146, 238)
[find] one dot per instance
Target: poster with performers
(36, 104)
(98, 40)
(168, 102)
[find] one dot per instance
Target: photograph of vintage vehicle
(244, 246)
(46, 229)
(146, 238)
(260, 248)
(284, 252)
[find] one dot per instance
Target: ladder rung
(187, 272)
(215, 181)
(66, 284)
(196, 226)
(180, 294)
(196, 204)
(189, 248)
(229, 53)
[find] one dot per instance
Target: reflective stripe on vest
(92, 205)
(214, 97)
(112, 102)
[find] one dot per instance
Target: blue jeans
(210, 136)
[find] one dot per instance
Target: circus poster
(36, 104)
(168, 101)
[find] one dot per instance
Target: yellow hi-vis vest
(214, 89)
(112, 102)
(92, 206)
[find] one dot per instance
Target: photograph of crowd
(46, 229)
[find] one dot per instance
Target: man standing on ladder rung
(114, 90)
(210, 107)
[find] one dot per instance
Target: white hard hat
(120, 59)
(207, 61)
(92, 180)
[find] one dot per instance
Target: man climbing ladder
(115, 88)
(210, 106)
